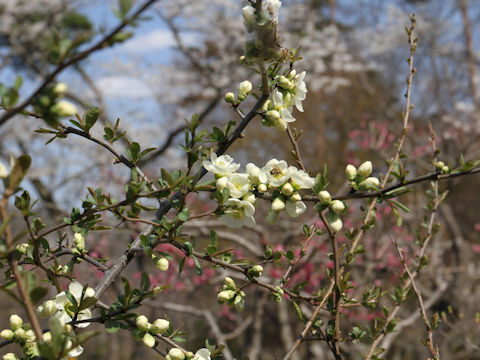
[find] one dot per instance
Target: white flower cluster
(276, 176)
(291, 91)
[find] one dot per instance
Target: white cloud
(154, 40)
(123, 86)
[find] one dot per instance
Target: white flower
(238, 213)
(64, 313)
(3, 171)
(277, 172)
(256, 175)
(10, 356)
(281, 106)
(75, 352)
(295, 208)
(364, 169)
(299, 91)
(300, 179)
(64, 108)
(202, 354)
(238, 185)
(222, 165)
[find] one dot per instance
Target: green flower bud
(161, 263)
(439, 165)
(24, 248)
(148, 340)
(350, 172)
(284, 83)
(7, 334)
(445, 169)
(189, 355)
(244, 89)
(64, 108)
(230, 98)
(229, 282)
(225, 295)
(15, 322)
(239, 303)
(176, 354)
(334, 221)
(19, 334)
(370, 183)
(364, 169)
(30, 336)
(272, 117)
(337, 206)
(160, 326)
(325, 197)
(60, 88)
(256, 270)
(142, 323)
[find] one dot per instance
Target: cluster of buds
(336, 208)
(21, 334)
(440, 166)
(276, 176)
(25, 249)
(78, 243)
(360, 178)
(51, 106)
(244, 89)
(278, 293)
(230, 295)
(147, 330)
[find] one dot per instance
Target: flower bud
(142, 323)
(292, 74)
(337, 206)
(249, 197)
(47, 337)
(229, 282)
(284, 83)
(295, 197)
(364, 169)
(47, 309)
(23, 248)
(221, 183)
(244, 89)
(176, 354)
(230, 98)
(242, 60)
(160, 326)
(10, 356)
(15, 322)
(256, 270)
(64, 108)
(148, 340)
(287, 189)
(280, 125)
(6, 334)
(161, 263)
(272, 116)
(445, 169)
(60, 88)
(67, 329)
(439, 165)
(89, 293)
(79, 241)
(19, 334)
(278, 204)
(334, 221)
(239, 303)
(350, 172)
(279, 290)
(225, 295)
(325, 197)
(262, 188)
(3, 171)
(370, 183)
(30, 336)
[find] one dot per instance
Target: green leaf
(297, 309)
(37, 294)
(134, 151)
(145, 282)
(198, 267)
(86, 303)
(181, 265)
(184, 215)
(112, 326)
(90, 117)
